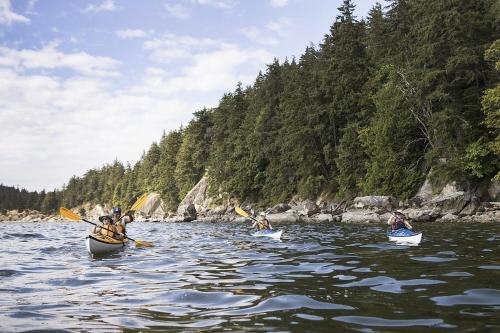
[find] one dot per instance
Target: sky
(83, 83)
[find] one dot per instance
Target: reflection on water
(214, 277)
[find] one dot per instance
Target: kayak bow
(405, 236)
(276, 234)
(100, 244)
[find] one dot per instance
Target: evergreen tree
(193, 152)
(168, 188)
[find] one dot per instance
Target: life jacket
(120, 228)
(399, 223)
(263, 224)
(108, 230)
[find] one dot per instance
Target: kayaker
(262, 223)
(122, 221)
(398, 221)
(107, 228)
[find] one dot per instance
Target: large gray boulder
(152, 207)
(322, 218)
(279, 208)
(96, 211)
(283, 217)
(187, 212)
(305, 207)
(425, 191)
(494, 191)
(362, 216)
(375, 201)
(450, 202)
(197, 196)
(421, 215)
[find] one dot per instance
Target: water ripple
(217, 277)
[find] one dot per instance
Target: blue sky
(85, 82)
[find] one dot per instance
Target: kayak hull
(98, 244)
(276, 234)
(405, 236)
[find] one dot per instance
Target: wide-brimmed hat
(105, 218)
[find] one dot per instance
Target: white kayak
(99, 244)
(276, 234)
(405, 236)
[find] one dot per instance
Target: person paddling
(262, 223)
(122, 221)
(107, 228)
(398, 221)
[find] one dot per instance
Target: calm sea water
(217, 277)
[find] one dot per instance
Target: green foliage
(491, 108)
(393, 141)
(193, 152)
(350, 162)
(167, 185)
(478, 160)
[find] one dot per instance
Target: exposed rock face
(421, 215)
(450, 202)
(494, 191)
(152, 207)
(376, 201)
(425, 191)
(323, 218)
(363, 216)
(448, 218)
(197, 197)
(305, 207)
(187, 212)
(97, 211)
(217, 211)
(283, 217)
(279, 208)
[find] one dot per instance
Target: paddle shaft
(116, 233)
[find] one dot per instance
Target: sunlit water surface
(217, 277)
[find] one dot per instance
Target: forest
(371, 110)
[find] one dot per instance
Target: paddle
(75, 217)
(137, 205)
(243, 213)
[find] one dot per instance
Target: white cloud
(131, 33)
(267, 35)
(172, 47)
(259, 36)
(66, 125)
(104, 6)
(178, 10)
(279, 3)
(280, 26)
(216, 3)
(212, 71)
(49, 57)
(7, 16)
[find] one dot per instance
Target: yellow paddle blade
(140, 243)
(139, 202)
(241, 212)
(69, 214)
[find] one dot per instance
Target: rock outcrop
(375, 202)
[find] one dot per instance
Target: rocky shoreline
(452, 204)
